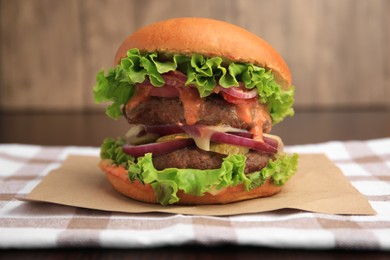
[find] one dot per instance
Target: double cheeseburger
(200, 97)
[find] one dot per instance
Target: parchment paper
(318, 186)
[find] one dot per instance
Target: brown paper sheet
(318, 186)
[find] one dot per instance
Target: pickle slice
(172, 137)
(228, 149)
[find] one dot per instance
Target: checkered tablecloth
(43, 225)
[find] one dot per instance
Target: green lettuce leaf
(117, 86)
(167, 182)
(111, 149)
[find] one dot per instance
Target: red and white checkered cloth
(42, 225)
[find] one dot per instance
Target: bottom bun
(118, 177)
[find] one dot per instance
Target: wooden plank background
(338, 50)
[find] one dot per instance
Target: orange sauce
(191, 104)
(189, 96)
(254, 114)
(141, 94)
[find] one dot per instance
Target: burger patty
(214, 111)
(194, 158)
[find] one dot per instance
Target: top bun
(210, 38)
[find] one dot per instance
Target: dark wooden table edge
(194, 252)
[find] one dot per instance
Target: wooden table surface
(89, 129)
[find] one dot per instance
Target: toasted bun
(210, 38)
(117, 176)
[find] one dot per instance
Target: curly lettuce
(166, 183)
(117, 85)
(111, 149)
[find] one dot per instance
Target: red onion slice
(156, 148)
(240, 91)
(266, 139)
(242, 134)
(271, 141)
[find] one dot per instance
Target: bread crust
(210, 38)
(117, 176)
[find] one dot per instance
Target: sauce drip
(141, 94)
(189, 96)
(254, 114)
(191, 104)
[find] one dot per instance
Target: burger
(200, 97)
